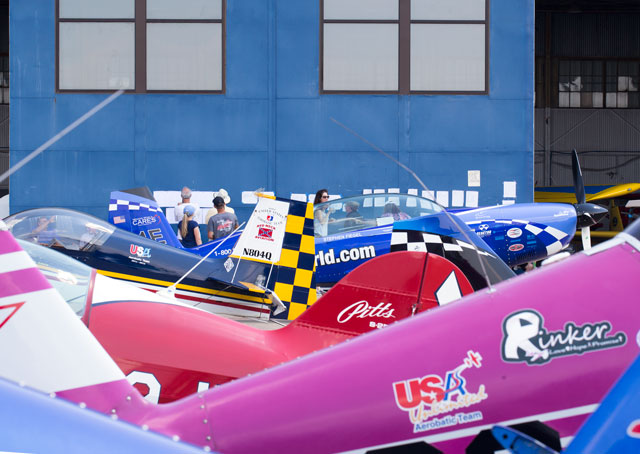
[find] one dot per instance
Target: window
(404, 46)
(598, 84)
(141, 45)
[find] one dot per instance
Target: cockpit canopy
(369, 210)
(60, 227)
(68, 276)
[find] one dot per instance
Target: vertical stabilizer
(42, 342)
(141, 216)
(279, 245)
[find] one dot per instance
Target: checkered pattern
(294, 281)
(462, 254)
(411, 240)
(550, 237)
(126, 205)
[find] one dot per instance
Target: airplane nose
(589, 214)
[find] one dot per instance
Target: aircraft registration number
(248, 252)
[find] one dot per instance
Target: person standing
(185, 195)
(223, 223)
(189, 229)
(212, 212)
(321, 216)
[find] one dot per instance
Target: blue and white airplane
(351, 230)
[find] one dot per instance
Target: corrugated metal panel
(598, 168)
(4, 126)
(595, 129)
(540, 31)
(4, 166)
(608, 141)
(538, 130)
(595, 35)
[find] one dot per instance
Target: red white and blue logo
(269, 218)
(266, 233)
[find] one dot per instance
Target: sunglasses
(324, 197)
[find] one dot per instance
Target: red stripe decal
(15, 307)
(216, 302)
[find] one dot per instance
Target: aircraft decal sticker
(329, 257)
(362, 309)
(146, 220)
(514, 233)
(139, 254)
(265, 232)
(516, 247)
(525, 339)
(634, 429)
(8, 311)
(426, 397)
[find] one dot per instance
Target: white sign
(263, 235)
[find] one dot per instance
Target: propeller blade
(589, 214)
(586, 238)
(578, 183)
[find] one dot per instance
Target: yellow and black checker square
(306, 261)
(300, 295)
(295, 309)
(284, 291)
(303, 278)
(291, 241)
(295, 224)
(308, 245)
(286, 275)
(288, 258)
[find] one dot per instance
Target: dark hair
(218, 201)
(391, 207)
(318, 198)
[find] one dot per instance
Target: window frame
(404, 23)
(604, 61)
(140, 22)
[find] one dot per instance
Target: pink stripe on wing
(8, 243)
(22, 281)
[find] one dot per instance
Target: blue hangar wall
(272, 127)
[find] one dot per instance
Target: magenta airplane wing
(541, 348)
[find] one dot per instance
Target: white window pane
(184, 9)
(563, 100)
(447, 57)
(184, 56)
(597, 99)
(96, 56)
(361, 9)
(623, 100)
(623, 83)
(97, 9)
(576, 83)
(447, 9)
(574, 100)
(360, 57)
(611, 99)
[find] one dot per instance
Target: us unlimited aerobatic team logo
(526, 339)
(432, 395)
(268, 224)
